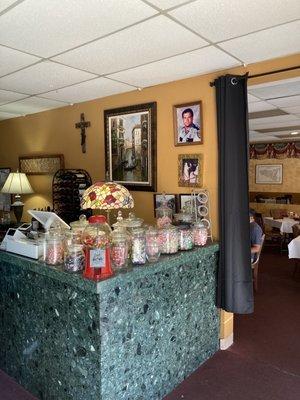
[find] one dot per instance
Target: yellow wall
(53, 132)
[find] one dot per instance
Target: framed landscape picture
(130, 146)
(188, 124)
(268, 174)
(190, 170)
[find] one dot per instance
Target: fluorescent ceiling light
(294, 133)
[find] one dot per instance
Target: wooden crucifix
(82, 125)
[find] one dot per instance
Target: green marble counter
(134, 336)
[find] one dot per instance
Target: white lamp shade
(17, 183)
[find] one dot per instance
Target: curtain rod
(277, 71)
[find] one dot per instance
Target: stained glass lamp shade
(106, 196)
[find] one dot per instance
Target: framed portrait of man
(188, 124)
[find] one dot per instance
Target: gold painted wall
(53, 132)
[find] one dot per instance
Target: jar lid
(183, 216)
(183, 227)
(169, 227)
(138, 231)
(132, 221)
(198, 224)
(81, 223)
(97, 219)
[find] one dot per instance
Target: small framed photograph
(188, 124)
(268, 174)
(158, 199)
(190, 170)
(5, 198)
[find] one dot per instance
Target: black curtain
(235, 289)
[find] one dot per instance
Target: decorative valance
(275, 150)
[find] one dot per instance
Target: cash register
(22, 241)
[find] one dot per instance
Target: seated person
(255, 236)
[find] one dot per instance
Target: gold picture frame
(190, 170)
(41, 165)
(188, 123)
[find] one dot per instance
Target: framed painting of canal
(130, 146)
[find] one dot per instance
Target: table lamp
(17, 183)
(106, 196)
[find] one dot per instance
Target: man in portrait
(189, 132)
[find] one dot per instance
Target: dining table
(285, 225)
(294, 248)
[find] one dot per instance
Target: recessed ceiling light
(294, 133)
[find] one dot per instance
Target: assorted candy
(168, 240)
(186, 240)
(138, 247)
(74, 259)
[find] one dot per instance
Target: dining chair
(255, 264)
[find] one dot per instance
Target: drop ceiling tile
(6, 96)
(89, 90)
(4, 115)
(143, 43)
(43, 77)
(12, 60)
(252, 99)
(277, 90)
(260, 106)
(274, 119)
(289, 101)
(274, 125)
(220, 20)
(165, 4)
(179, 67)
(293, 110)
(267, 44)
(31, 105)
(262, 138)
(4, 4)
(48, 27)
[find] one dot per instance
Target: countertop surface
(165, 262)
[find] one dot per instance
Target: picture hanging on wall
(188, 123)
(130, 146)
(171, 201)
(190, 170)
(268, 174)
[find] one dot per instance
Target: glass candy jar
(96, 238)
(199, 234)
(77, 227)
(185, 237)
(74, 258)
(54, 249)
(183, 218)
(119, 249)
(152, 245)
(168, 239)
(163, 214)
(132, 222)
(138, 246)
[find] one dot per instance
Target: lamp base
(18, 211)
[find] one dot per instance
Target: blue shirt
(255, 237)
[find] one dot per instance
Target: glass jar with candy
(168, 239)
(96, 239)
(152, 245)
(53, 247)
(185, 237)
(119, 249)
(74, 258)
(163, 214)
(138, 246)
(77, 227)
(199, 234)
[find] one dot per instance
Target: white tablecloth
(285, 225)
(294, 248)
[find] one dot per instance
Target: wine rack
(68, 186)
